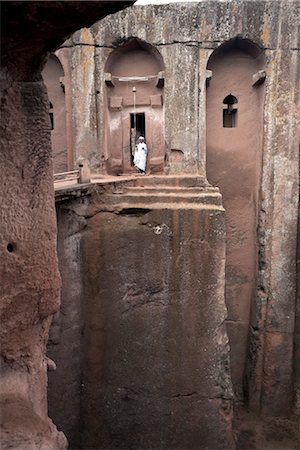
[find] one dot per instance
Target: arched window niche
(234, 143)
(53, 75)
(134, 79)
(229, 111)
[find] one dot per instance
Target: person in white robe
(140, 155)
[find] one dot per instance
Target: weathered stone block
(156, 364)
(156, 100)
(108, 79)
(259, 77)
(115, 102)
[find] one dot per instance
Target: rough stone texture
(83, 96)
(234, 164)
(155, 352)
(124, 101)
(30, 279)
(31, 29)
(53, 76)
(297, 327)
(181, 33)
(182, 101)
(180, 135)
(186, 35)
(64, 384)
(28, 267)
(63, 55)
(80, 97)
(29, 273)
(265, 432)
(274, 307)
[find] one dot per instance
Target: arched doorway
(134, 106)
(235, 97)
(53, 75)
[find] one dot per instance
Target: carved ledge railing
(78, 176)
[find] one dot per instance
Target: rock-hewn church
(179, 319)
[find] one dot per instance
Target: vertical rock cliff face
(29, 272)
(141, 285)
(65, 339)
(297, 326)
(156, 347)
(261, 209)
(150, 353)
(30, 277)
(234, 118)
(265, 26)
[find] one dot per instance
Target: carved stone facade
(156, 271)
(214, 87)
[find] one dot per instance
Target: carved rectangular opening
(51, 120)
(137, 123)
(137, 129)
(229, 118)
(51, 115)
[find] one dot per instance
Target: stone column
(270, 368)
(29, 274)
(84, 113)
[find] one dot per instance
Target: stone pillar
(156, 367)
(270, 366)
(29, 274)
(84, 111)
(181, 97)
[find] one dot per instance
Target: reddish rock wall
(234, 160)
(29, 268)
(30, 278)
(29, 272)
(53, 76)
(128, 97)
(149, 270)
(297, 326)
(64, 344)
(261, 250)
(186, 36)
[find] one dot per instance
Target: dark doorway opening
(137, 129)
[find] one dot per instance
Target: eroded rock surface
(153, 355)
(29, 272)
(254, 163)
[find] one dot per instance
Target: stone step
(171, 180)
(176, 190)
(213, 198)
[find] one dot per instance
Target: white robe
(140, 156)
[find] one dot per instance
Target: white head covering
(142, 137)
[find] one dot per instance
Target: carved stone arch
(134, 45)
(134, 78)
(239, 43)
(53, 75)
(234, 144)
